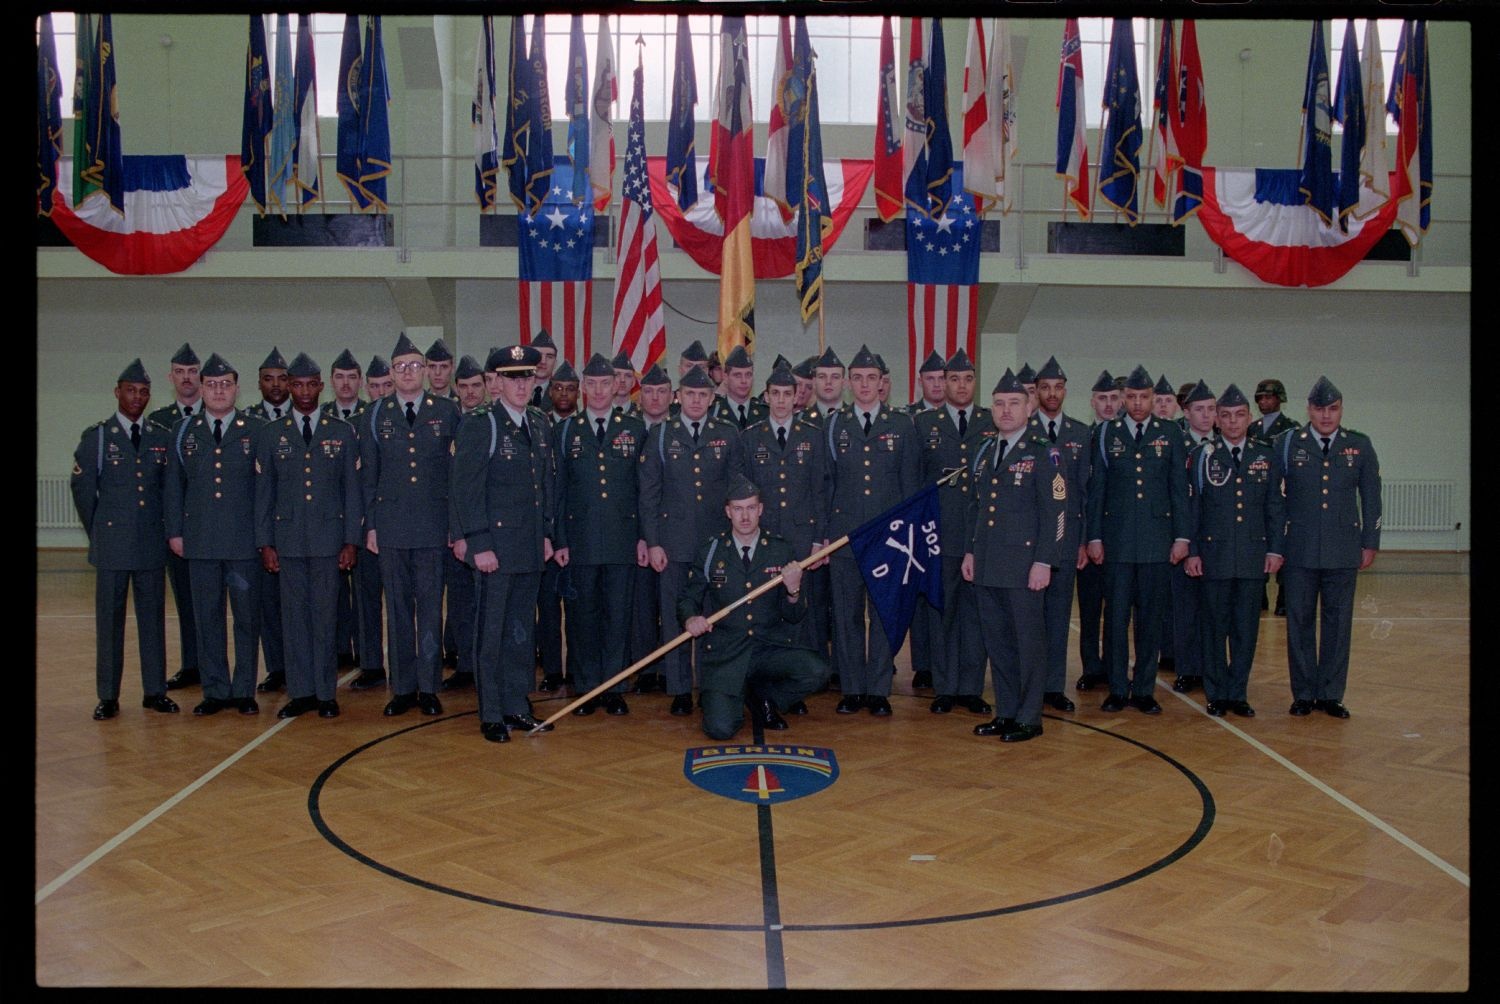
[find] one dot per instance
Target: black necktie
(525, 432)
(411, 415)
(742, 416)
(1052, 429)
(867, 423)
(745, 554)
(1325, 445)
(187, 411)
(135, 436)
(346, 412)
(963, 423)
(781, 436)
(307, 430)
(1000, 452)
(1140, 427)
(277, 407)
(599, 430)
(218, 430)
(1235, 452)
(695, 432)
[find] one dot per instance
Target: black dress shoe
(682, 704)
(400, 705)
(328, 709)
(495, 732)
(184, 677)
(975, 703)
(248, 706)
(1241, 708)
(1300, 708)
(833, 682)
(106, 709)
(1088, 681)
(1146, 704)
(525, 722)
(799, 708)
(643, 684)
(942, 704)
(1019, 733)
(458, 681)
(550, 684)
(159, 702)
(298, 706)
(1057, 700)
(1217, 708)
(588, 707)
(922, 680)
(429, 704)
(277, 681)
(368, 679)
(995, 728)
(1182, 684)
(850, 704)
(768, 716)
(879, 706)
(1114, 702)
(1334, 709)
(210, 706)
(614, 704)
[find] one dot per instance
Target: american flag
(556, 288)
(942, 281)
(640, 328)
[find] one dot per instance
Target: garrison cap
(695, 353)
(1027, 374)
(274, 361)
(1139, 379)
(217, 366)
(1232, 398)
(134, 373)
(1051, 371)
(805, 368)
(697, 377)
(829, 358)
(1104, 384)
(1182, 393)
(1009, 384)
(781, 360)
(656, 376)
(1200, 392)
(567, 374)
(185, 356)
(713, 360)
(468, 367)
(1324, 393)
(622, 362)
(933, 363)
(379, 367)
(1120, 383)
(514, 360)
(303, 366)
(597, 366)
(405, 347)
(781, 376)
(1271, 387)
(542, 340)
(346, 361)
(959, 362)
(864, 359)
(880, 365)
(1163, 386)
(741, 488)
(738, 359)
(438, 352)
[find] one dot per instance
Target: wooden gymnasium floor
(1117, 851)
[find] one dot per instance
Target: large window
(1093, 36)
(1389, 31)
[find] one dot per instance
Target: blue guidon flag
(761, 774)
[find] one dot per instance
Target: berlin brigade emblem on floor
(763, 774)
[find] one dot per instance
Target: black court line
(775, 960)
(770, 903)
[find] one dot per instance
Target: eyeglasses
(408, 367)
(218, 384)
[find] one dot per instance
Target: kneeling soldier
(755, 654)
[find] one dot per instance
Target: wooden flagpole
(717, 615)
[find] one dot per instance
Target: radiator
(1417, 504)
(54, 503)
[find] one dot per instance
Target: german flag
(731, 167)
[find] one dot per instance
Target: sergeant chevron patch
(762, 775)
(1059, 487)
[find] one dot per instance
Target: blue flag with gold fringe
(1120, 150)
(901, 557)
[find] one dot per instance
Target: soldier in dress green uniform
(624, 382)
(274, 405)
(440, 370)
(756, 653)
(460, 625)
(804, 372)
(1270, 395)
(828, 386)
(1164, 403)
(1331, 480)
(932, 380)
(1104, 400)
(599, 546)
(1184, 641)
(309, 519)
(1015, 533)
(1239, 525)
(737, 405)
(1137, 529)
(369, 604)
(933, 384)
(118, 471)
(345, 377)
(544, 345)
(209, 508)
(948, 437)
(562, 401)
(645, 626)
(186, 378)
